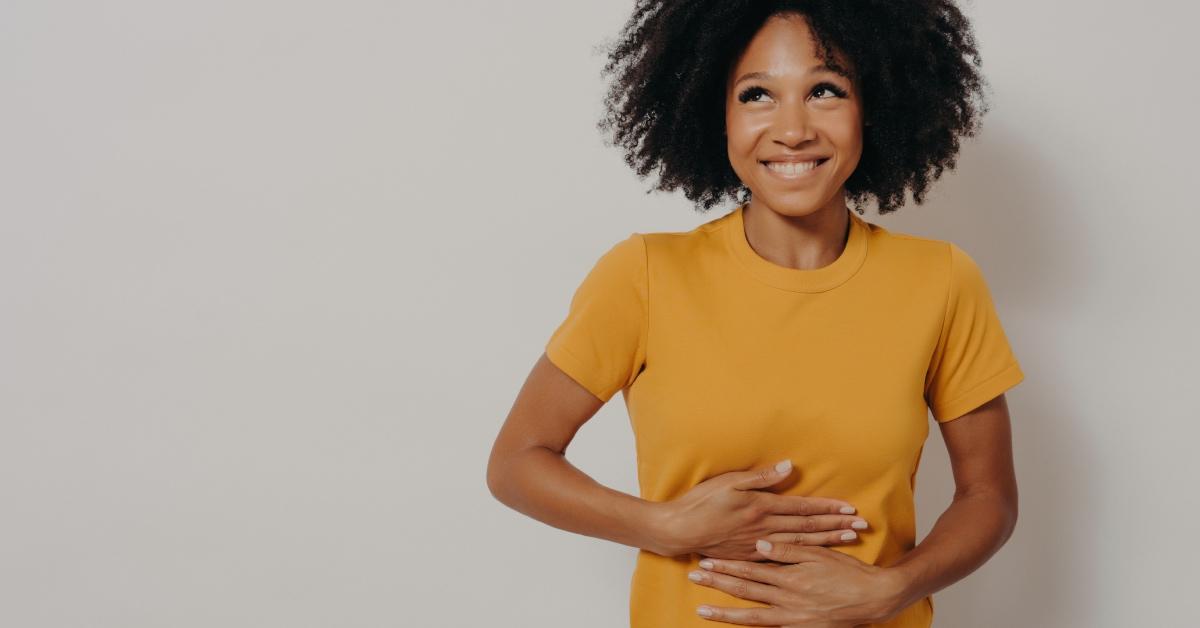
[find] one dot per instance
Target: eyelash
(746, 94)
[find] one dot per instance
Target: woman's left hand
(817, 587)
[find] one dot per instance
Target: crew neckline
(794, 279)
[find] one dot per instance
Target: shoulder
(942, 261)
(895, 243)
(622, 265)
(666, 247)
(942, 253)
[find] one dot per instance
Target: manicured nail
(706, 563)
(695, 576)
(763, 546)
(784, 467)
(859, 525)
(847, 510)
(704, 611)
(849, 535)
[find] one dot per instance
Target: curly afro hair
(916, 62)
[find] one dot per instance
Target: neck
(802, 242)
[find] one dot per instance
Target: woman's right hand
(724, 516)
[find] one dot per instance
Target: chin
(794, 205)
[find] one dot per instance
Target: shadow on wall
(1001, 206)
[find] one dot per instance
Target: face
(783, 110)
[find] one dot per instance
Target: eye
(834, 89)
(750, 93)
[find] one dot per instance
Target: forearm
(967, 534)
(542, 484)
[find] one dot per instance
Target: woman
(787, 330)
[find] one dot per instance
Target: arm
(818, 582)
(528, 470)
(984, 511)
(719, 517)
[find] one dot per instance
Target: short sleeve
(602, 342)
(972, 362)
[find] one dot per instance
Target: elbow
(495, 487)
(500, 474)
(1007, 503)
(1013, 511)
(1000, 506)
(495, 477)
(508, 476)
(1008, 513)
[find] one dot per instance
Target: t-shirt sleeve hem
(983, 392)
(567, 363)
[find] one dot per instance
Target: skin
(803, 225)
(528, 471)
(799, 225)
(816, 586)
(791, 107)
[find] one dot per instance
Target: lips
(790, 158)
(792, 168)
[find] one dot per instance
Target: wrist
(897, 589)
(901, 586)
(659, 523)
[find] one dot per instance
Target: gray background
(273, 273)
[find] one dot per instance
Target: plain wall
(273, 273)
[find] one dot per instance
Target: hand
(723, 516)
(818, 587)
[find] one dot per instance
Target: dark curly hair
(916, 61)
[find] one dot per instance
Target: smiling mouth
(793, 169)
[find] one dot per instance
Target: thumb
(764, 477)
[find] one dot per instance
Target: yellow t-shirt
(729, 361)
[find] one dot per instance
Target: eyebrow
(819, 69)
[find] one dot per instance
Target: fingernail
(847, 510)
(704, 611)
(784, 467)
(849, 535)
(763, 546)
(695, 576)
(859, 525)
(706, 563)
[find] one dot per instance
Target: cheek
(849, 129)
(853, 152)
(740, 145)
(738, 136)
(847, 134)
(743, 127)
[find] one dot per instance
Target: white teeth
(792, 168)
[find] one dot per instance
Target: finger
(814, 523)
(744, 569)
(791, 553)
(762, 478)
(757, 616)
(833, 537)
(803, 505)
(735, 586)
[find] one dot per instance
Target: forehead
(785, 47)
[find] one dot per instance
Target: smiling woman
(789, 330)
(910, 69)
(785, 97)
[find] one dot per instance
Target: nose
(793, 125)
